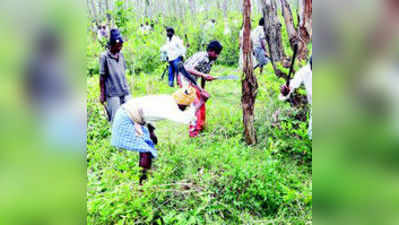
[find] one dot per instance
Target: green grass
(213, 179)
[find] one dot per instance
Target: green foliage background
(215, 178)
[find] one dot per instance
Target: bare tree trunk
(225, 5)
(89, 11)
(100, 9)
(93, 9)
(273, 30)
(207, 10)
(148, 9)
(289, 22)
(192, 7)
(304, 25)
(249, 82)
(305, 19)
(108, 9)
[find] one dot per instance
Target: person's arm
(178, 116)
(186, 74)
(180, 46)
(102, 89)
(199, 74)
(262, 38)
(103, 70)
(164, 48)
(263, 43)
(294, 84)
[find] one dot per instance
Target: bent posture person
(200, 65)
(303, 76)
(113, 85)
(132, 130)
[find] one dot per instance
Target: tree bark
(181, 7)
(108, 13)
(225, 5)
(93, 10)
(148, 9)
(273, 30)
(207, 10)
(249, 82)
(304, 26)
(289, 22)
(100, 10)
(193, 8)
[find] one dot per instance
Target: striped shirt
(200, 62)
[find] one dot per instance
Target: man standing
(199, 65)
(113, 85)
(259, 45)
(175, 50)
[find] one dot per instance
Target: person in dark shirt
(199, 65)
(114, 88)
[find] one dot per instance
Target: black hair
(262, 21)
(170, 29)
(215, 46)
(311, 62)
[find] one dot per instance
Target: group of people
(146, 28)
(132, 118)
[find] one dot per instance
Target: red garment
(195, 129)
(145, 160)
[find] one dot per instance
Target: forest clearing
(216, 177)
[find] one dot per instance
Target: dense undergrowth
(215, 178)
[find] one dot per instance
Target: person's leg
(153, 137)
(201, 117)
(198, 126)
(171, 74)
(260, 56)
(179, 81)
(113, 104)
(145, 163)
(176, 64)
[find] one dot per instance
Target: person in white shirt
(259, 45)
(303, 76)
(175, 50)
(102, 34)
(146, 28)
(133, 129)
